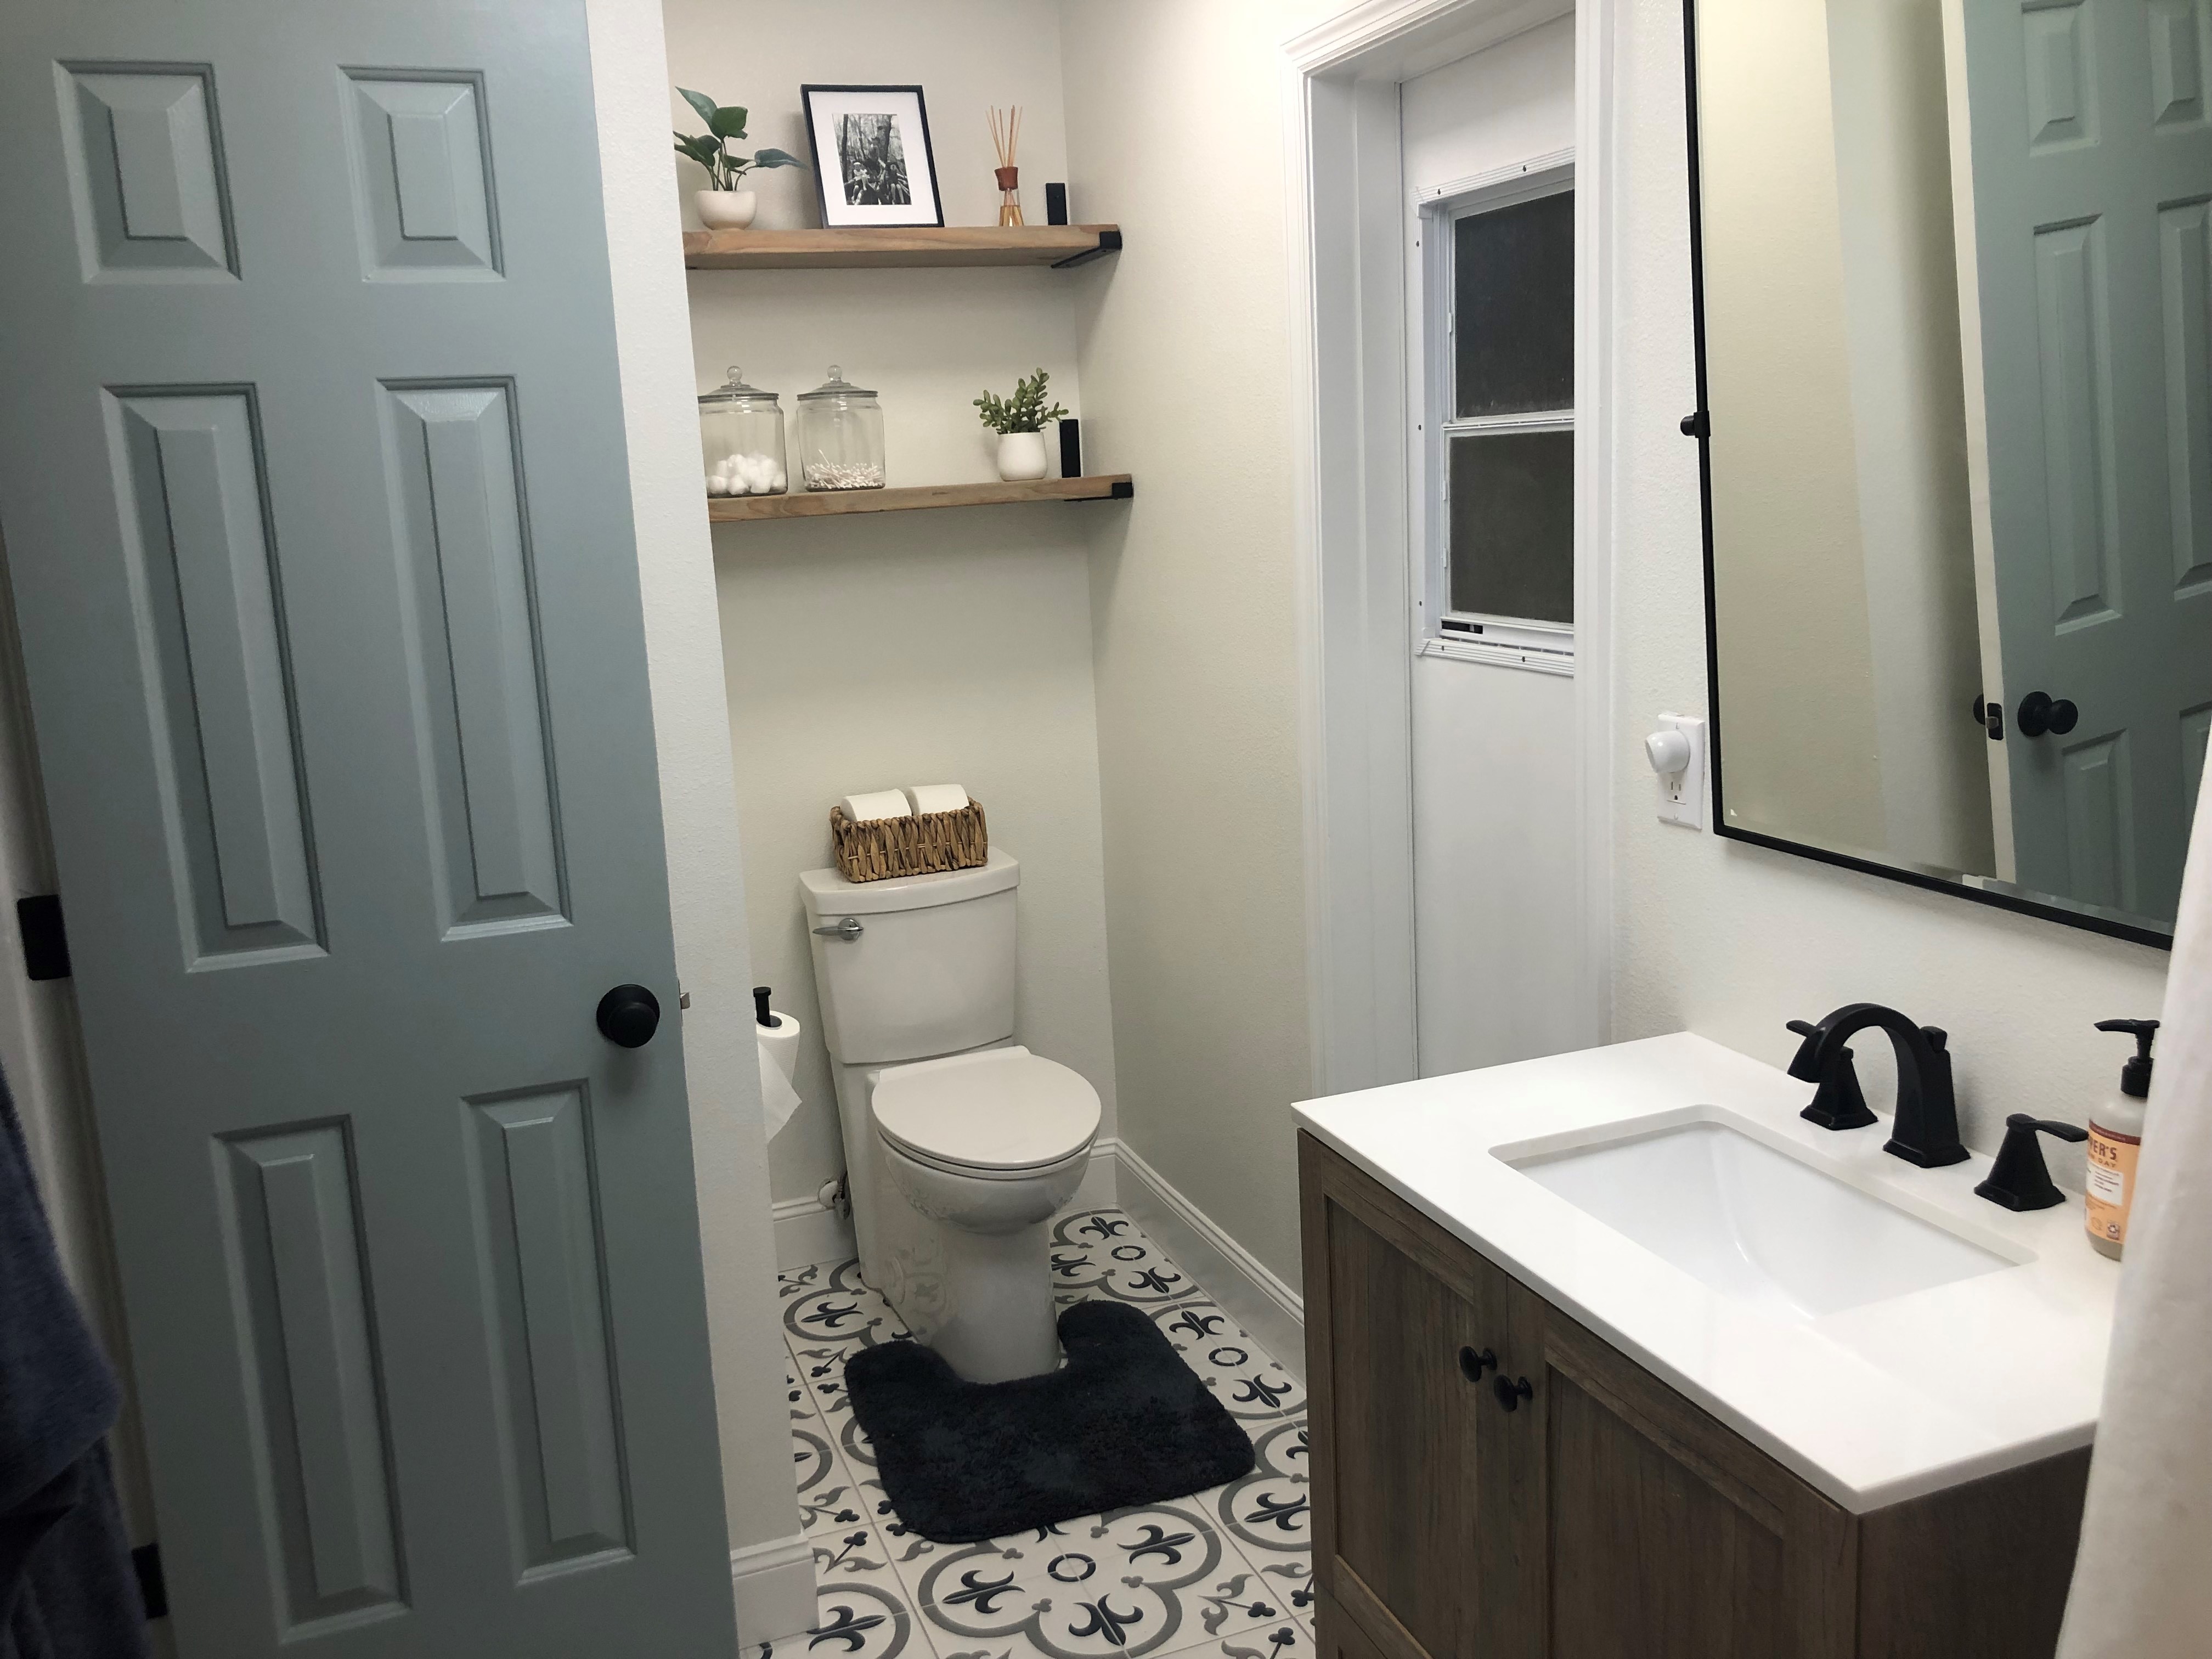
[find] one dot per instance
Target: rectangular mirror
(1953, 275)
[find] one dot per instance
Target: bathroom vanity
(1613, 1354)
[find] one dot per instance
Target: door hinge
(46, 946)
(146, 1562)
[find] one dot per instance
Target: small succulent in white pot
(1019, 421)
(725, 207)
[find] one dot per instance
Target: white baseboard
(1255, 1298)
(805, 1233)
(773, 1584)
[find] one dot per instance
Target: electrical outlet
(1677, 753)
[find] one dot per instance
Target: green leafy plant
(711, 149)
(1023, 412)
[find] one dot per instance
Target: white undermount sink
(1752, 1222)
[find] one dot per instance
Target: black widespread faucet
(1925, 1130)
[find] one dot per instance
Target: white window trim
(1438, 630)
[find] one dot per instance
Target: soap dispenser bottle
(2116, 1127)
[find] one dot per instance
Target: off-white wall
(966, 55)
(1175, 124)
(683, 648)
(1731, 940)
(867, 652)
(1801, 748)
(1496, 859)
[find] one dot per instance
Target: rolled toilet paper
(779, 1055)
(936, 798)
(882, 804)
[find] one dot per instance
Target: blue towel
(67, 1590)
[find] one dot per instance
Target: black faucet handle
(1804, 1065)
(1937, 1037)
(2019, 1180)
(1838, 1103)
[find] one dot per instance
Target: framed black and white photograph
(872, 160)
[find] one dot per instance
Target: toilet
(960, 1144)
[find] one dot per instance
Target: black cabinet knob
(1695, 426)
(1472, 1364)
(1512, 1391)
(629, 1015)
(2039, 712)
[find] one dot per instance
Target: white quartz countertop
(1874, 1404)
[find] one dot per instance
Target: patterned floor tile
(858, 1619)
(852, 1443)
(837, 1503)
(1290, 1639)
(1163, 1544)
(1223, 1574)
(1240, 1374)
(819, 1368)
(842, 1312)
(1133, 1616)
(1268, 1512)
(813, 1462)
(851, 1551)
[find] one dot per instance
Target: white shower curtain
(2143, 1584)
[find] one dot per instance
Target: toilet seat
(1004, 1114)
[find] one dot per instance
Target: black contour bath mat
(1124, 1421)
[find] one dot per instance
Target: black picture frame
(1698, 425)
(838, 212)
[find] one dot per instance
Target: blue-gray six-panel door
(317, 512)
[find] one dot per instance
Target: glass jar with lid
(841, 435)
(741, 439)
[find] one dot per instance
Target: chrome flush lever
(849, 930)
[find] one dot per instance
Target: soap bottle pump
(2116, 1127)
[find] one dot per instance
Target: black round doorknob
(1512, 1391)
(1472, 1364)
(628, 1015)
(2039, 712)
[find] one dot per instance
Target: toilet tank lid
(1003, 1109)
(827, 893)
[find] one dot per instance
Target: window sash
(1441, 629)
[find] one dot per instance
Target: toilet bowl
(988, 1145)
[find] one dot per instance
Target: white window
(1498, 421)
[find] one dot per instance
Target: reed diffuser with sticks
(1005, 134)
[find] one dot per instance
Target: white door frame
(1356, 558)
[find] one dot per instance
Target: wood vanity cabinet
(1603, 1515)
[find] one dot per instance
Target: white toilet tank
(930, 968)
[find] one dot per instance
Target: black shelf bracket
(1109, 241)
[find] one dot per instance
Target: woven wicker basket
(923, 845)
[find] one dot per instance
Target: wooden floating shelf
(955, 245)
(816, 504)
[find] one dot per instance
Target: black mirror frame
(1698, 425)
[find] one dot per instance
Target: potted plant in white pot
(1019, 421)
(725, 207)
